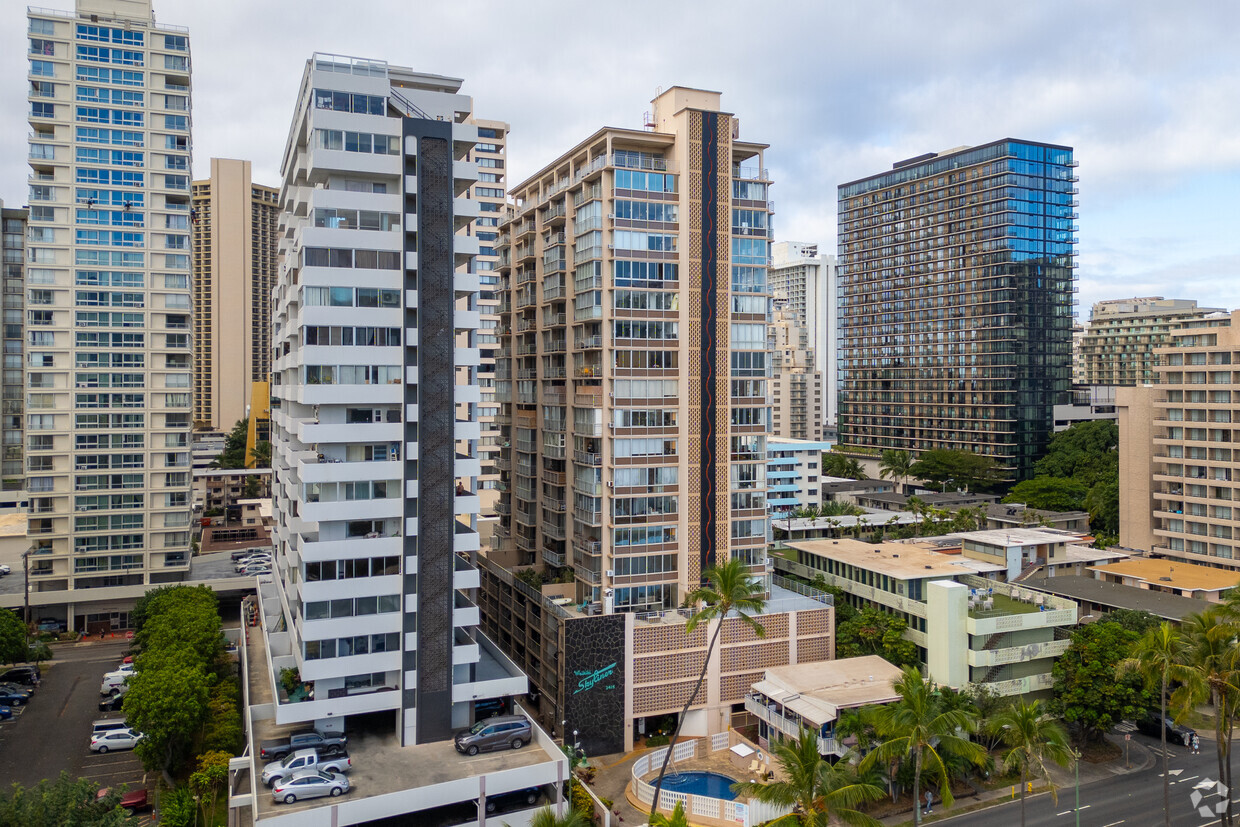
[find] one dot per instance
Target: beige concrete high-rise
(491, 154)
(634, 371)
(1117, 347)
(1179, 475)
(796, 381)
(806, 280)
(234, 237)
(108, 367)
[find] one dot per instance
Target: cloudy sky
(1147, 93)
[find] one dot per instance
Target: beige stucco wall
(1136, 413)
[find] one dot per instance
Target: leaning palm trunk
(1024, 785)
(917, 788)
(1221, 748)
(658, 784)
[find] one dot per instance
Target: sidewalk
(1140, 759)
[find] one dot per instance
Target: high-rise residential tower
(234, 237)
(796, 379)
(491, 153)
(634, 371)
(956, 289)
(373, 403)
(1117, 348)
(13, 287)
(807, 281)
(108, 339)
(1179, 472)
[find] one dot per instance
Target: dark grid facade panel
(956, 291)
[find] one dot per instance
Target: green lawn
(1004, 605)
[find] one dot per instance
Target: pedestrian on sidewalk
(1196, 744)
(929, 801)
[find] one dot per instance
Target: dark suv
(1176, 733)
(28, 675)
(500, 732)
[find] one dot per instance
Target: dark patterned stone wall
(594, 677)
(710, 322)
(434, 432)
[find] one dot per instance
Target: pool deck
(717, 762)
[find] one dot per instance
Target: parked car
(245, 562)
(105, 725)
(1176, 733)
(517, 799)
(13, 695)
(113, 683)
(116, 739)
(309, 784)
(247, 552)
(131, 802)
(6, 712)
(27, 675)
(500, 732)
(125, 668)
(303, 759)
(256, 568)
(4, 569)
(325, 742)
(112, 703)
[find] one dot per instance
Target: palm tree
(676, 819)
(1157, 656)
(546, 817)
(816, 790)
(838, 465)
(260, 457)
(728, 587)
(895, 463)
(1211, 674)
(918, 727)
(1032, 736)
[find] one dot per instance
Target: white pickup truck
(302, 759)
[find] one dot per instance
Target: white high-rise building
(375, 436)
(806, 280)
(108, 317)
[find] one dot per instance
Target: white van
(113, 683)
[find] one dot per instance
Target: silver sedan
(309, 783)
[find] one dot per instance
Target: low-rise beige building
(968, 626)
(1178, 473)
(1118, 346)
(1169, 576)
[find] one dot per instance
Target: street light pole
(1077, 766)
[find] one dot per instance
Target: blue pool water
(701, 783)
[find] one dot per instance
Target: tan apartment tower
(491, 155)
(1117, 348)
(634, 370)
(234, 237)
(109, 333)
(1179, 474)
(796, 379)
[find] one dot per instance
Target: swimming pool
(710, 784)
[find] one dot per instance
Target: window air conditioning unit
(611, 484)
(610, 573)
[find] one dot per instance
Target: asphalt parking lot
(52, 733)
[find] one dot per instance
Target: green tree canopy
(839, 465)
(1102, 503)
(871, 631)
(13, 646)
(1134, 620)
(1089, 691)
(1088, 452)
(962, 469)
(167, 703)
(65, 802)
(233, 455)
(1049, 493)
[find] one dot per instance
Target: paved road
(1132, 800)
(53, 732)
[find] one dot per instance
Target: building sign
(593, 681)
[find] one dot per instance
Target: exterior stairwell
(1028, 571)
(993, 643)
